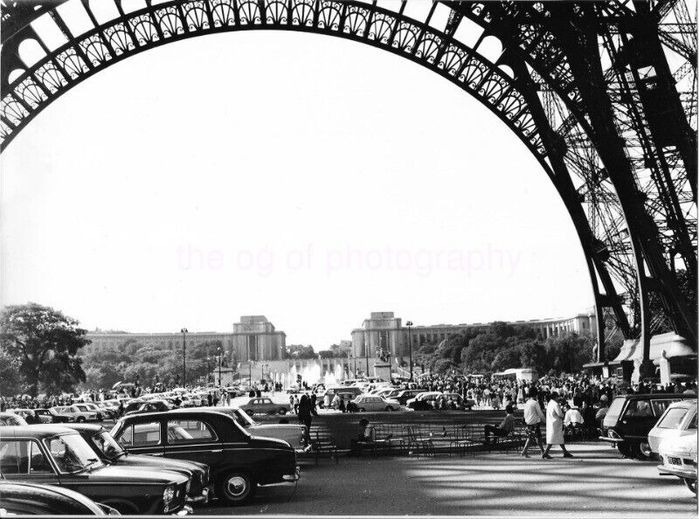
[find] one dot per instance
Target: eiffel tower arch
(603, 94)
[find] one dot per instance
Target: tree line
(504, 346)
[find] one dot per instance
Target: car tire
(80, 419)
(625, 449)
(645, 452)
(362, 410)
(282, 411)
(236, 488)
(691, 484)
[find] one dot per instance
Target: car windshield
(672, 418)
(614, 410)
(71, 453)
(108, 445)
(243, 419)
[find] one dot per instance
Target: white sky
(303, 177)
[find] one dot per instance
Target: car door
(23, 460)
(193, 439)
(142, 437)
(638, 419)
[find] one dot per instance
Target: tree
(44, 343)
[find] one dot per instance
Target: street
(597, 482)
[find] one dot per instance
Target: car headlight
(168, 495)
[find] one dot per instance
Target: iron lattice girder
(528, 27)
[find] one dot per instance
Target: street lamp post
(410, 348)
(220, 357)
(208, 369)
(184, 331)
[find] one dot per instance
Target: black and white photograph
(348, 258)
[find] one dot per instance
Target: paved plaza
(597, 482)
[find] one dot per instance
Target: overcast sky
(310, 179)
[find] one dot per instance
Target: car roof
(35, 431)
(89, 427)
(46, 490)
(658, 396)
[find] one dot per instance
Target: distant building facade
(385, 334)
(253, 338)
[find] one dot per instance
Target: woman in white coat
(554, 427)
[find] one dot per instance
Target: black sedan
(109, 451)
(56, 455)
(31, 499)
(238, 462)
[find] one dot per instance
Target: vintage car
(294, 434)
(679, 419)
(238, 461)
(264, 405)
(11, 419)
(151, 406)
(630, 418)
(74, 414)
(57, 455)
(679, 456)
(30, 499)
(375, 403)
(50, 416)
(406, 394)
(429, 400)
(109, 451)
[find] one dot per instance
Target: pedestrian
(304, 414)
(533, 416)
(554, 427)
(505, 428)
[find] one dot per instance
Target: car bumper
(293, 477)
(610, 440)
(202, 498)
(185, 510)
(679, 471)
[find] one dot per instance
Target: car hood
(185, 467)
(287, 432)
(126, 474)
(683, 447)
(269, 443)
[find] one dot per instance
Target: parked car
(57, 455)
(631, 417)
(49, 416)
(406, 394)
(151, 406)
(264, 405)
(75, 414)
(238, 461)
(11, 419)
(679, 419)
(679, 456)
(28, 414)
(294, 434)
(109, 451)
(429, 400)
(375, 403)
(32, 499)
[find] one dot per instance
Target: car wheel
(644, 451)
(625, 449)
(236, 488)
(80, 419)
(282, 411)
(362, 410)
(691, 484)
(389, 408)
